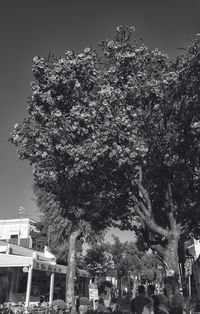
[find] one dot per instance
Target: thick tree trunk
(71, 271)
(170, 256)
(171, 260)
(171, 253)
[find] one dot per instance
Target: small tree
(121, 260)
(99, 262)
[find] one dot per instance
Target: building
(18, 259)
(26, 274)
(17, 231)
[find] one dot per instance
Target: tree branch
(147, 219)
(169, 195)
(145, 211)
(143, 191)
(146, 197)
(137, 207)
(169, 199)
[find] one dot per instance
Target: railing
(30, 310)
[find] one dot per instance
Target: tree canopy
(94, 123)
(119, 259)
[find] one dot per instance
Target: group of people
(169, 302)
(149, 303)
(141, 304)
(146, 302)
(86, 306)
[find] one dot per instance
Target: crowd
(147, 301)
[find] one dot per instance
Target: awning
(7, 260)
(22, 251)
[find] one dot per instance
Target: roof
(8, 260)
(15, 249)
(12, 220)
(12, 255)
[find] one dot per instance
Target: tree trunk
(71, 268)
(171, 253)
(119, 286)
(171, 260)
(172, 234)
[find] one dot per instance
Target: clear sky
(29, 28)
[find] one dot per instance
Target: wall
(12, 227)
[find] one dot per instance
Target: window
(14, 236)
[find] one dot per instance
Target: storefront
(30, 276)
(25, 274)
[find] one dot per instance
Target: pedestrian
(113, 308)
(163, 306)
(153, 298)
(101, 306)
(175, 299)
(141, 304)
(84, 305)
(96, 305)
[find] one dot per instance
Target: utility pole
(21, 212)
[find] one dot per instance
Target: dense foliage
(120, 259)
(94, 123)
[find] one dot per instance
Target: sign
(83, 273)
(50, 268)
(93, 292)
(188, 267)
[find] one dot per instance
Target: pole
(51, 288)
(18, 242)
(21, 213)
(28, 288)
(189, 286)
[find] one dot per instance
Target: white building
(17, 231)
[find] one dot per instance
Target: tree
(58, 139)
(168, 181)
(99, 262)
(159, 103)
(121, 260)
(94, 124)
(57, 230)
(53, 229)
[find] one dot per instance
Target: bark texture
(171, 258)
(71, 270)
(143, 208)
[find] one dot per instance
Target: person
(175, 299)
(101, 307)
(153, 298)
(84, 304)
(96, 305)
(163, 306)
(113, 307)
(141, 304)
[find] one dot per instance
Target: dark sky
(30, 28)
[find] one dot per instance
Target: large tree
(94, 123)
(60, 137)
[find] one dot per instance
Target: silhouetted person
(153, 298)
(139, 303)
